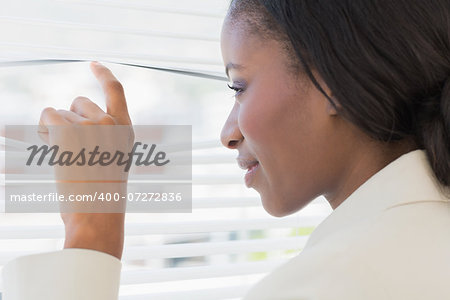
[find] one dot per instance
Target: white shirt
(390, 239)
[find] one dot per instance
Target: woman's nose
(231, 135)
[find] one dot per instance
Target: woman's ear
(331, 109)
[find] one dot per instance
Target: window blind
(228, 242)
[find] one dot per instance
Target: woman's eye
(236, 89)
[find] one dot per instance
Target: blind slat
(98, 54)
(142, 6)
(199, 179)
(188, 273)
(192, 249)
(102, 28)
(136, 229)
(211, 248)
(201, 294)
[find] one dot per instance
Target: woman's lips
(249, 164)
(246, 163)
(251, 172)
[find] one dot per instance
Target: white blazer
(390, 239)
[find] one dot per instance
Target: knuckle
(106, 120)
(87, 122)
(47, 111)
(114, 86)
(80, 100)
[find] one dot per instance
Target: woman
(346, 99)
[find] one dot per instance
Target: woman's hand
(94, 230)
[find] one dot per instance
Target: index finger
(116, 104)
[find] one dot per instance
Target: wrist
(100, 232)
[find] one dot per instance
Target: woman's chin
(281, 207)
(274, 207)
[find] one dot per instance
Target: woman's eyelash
(236, 89)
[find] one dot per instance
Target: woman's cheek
(251, 123)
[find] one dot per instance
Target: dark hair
(387, 62)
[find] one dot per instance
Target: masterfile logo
(94, 157)
(99, 168)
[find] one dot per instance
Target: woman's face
(284, 129)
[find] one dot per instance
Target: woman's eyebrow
(230, 66)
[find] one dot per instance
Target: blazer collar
(408, 179)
